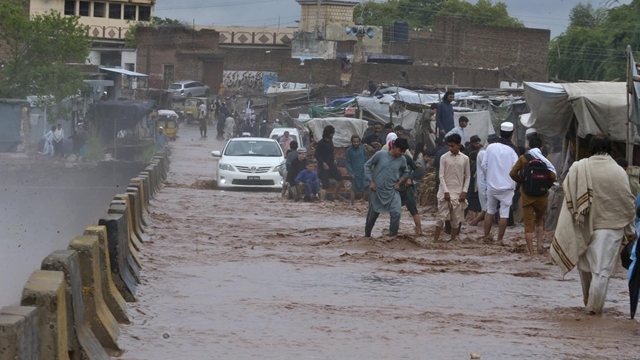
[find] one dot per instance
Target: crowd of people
(55, 143)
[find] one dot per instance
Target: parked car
(189, 88)
(250, 162)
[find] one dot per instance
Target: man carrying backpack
(535, 174)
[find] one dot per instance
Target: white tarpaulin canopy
(379, 108)
(479, 124)
(600, 108)
(345, 127)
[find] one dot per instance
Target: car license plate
(253, 177)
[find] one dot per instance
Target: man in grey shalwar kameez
(385, 171)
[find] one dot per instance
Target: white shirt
(203, 108)
(497, 163)
(481, 175)
(457, 130)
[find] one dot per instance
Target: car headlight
(280, 168)
(226, 167)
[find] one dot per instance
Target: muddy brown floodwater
(243, 274)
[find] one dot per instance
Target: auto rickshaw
(168, 119)
(191, 110)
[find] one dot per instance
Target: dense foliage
(38, 53)
(593, 46)
(421, 13)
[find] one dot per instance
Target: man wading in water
(385, 171)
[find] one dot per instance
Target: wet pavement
(244, 274)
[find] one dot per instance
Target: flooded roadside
(43, 206)
(237, 275)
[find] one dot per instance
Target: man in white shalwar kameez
(597, 213)
(48, 142)
(229, 125)
(454, 184)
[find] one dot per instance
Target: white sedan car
(250, 163)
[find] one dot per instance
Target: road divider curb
(112, 297)
(19, 338)
(83, 342)
(119, 255)
(100, 318)
(45, 290)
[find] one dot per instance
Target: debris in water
(167, 335)
(475, 355)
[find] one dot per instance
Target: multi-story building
(108, 22)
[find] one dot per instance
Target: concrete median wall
(72, 307)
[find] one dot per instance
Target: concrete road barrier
(85, 341)
(147, 185)
(136, 202)
(153, 185)
(121, 206)
(102, 322)
(121, 261)
(133, 259)
(115, 208)
(152, 169)
(164, 165)
(165, 155)
(19, 333)
(138, 183)
(45, 290)
(112, 297)
(135, 223)
(161, 165)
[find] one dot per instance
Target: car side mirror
(216, 153)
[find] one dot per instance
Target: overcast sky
(542, 14)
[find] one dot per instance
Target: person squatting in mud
(385, 171)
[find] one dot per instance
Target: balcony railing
(255, 38)
(108, 32)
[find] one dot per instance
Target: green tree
(579, 54)
(484, 12)
(376, 13)
(594, 45)
(422, 13)
(584, 15)
(40, 52)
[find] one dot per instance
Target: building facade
(108, 23)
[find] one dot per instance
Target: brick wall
(422, 75)
(181, 47)
(313, 72)
(520, 53)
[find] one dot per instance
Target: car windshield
(176, 86)
(191, 102)
(253, 148)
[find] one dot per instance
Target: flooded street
(244, 274)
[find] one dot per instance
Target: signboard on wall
(248, 82)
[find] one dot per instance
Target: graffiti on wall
(248, 82)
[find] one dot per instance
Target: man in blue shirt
(444, 114)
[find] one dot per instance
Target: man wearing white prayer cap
(528, 135)
(497, 163)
